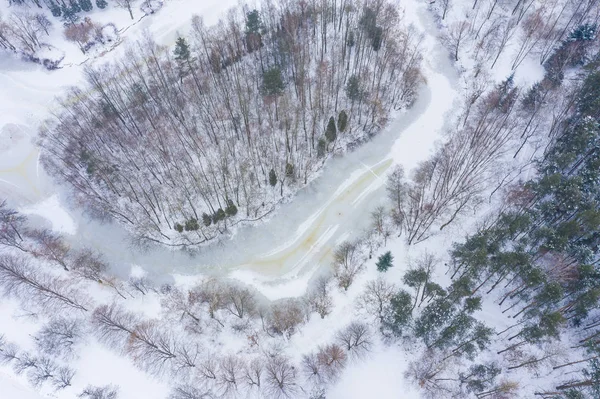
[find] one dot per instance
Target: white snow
(52, 210)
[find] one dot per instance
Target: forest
(481, 269)
(187, 142)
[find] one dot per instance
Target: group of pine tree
(539, 257)
(180, 143)
(68, 10)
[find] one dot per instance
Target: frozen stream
(283, 250)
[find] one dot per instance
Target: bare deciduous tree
(376, 298)
(280, 378)
(59, 336)
(355, 338)
(347, 264)
(285, 316)
(18, 278)
(50, 246)
(104, 392)
(319, 297)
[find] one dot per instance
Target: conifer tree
(101, 4)
(331, 133)
(86, 5)
(272, 178)
(342, 121)
(385, 262)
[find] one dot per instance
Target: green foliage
(479, 377)
(206, 219)
(86, 5)
(253, 22)
(353, 89)
(331, 131)
(385, 262)
(69, 13)
(321, 147)
(589, 100)
(101, 4)
(231, 209)
(273, 84)
(342, 121)
(219, 215)
(377, 38)
(289, 170)
(399, 316)
(182, 50)
(178, 227)
(55, 9)
(272, 178)
(191, 225)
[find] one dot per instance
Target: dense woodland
(188, 141)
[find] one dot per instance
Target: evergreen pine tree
(353, 88)
(55, 9)
(86, 5)
(74, 5)
(101, 4)
(272, 82)
(206, 219)
(331, 133)
(321, 147)
(253, 22)
(342, 121)
(182, 50)
(385, 262)
(272, 178)
(231, 209)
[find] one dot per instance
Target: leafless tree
(187, 359)
(141, 284)
(332, 359)
(113, 324)
(319, 297)
(280, 378)
(89, 264)
(356, 338)
(312, 368)
(104, 392)
(253, 373)
(347, 264)
(212, 294)
(457, 34)
(50, 246)
(380, 223)
(151, 347)
(12, 226)
(285, 316)
(230, 375)
(8, 351)
(81, 33)
(183, 305)
(24, 281)
(126, 4)
(208, 370)
(376, 298)
(59, 336)
(189, 392)
(25, 28)
(240, 301)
